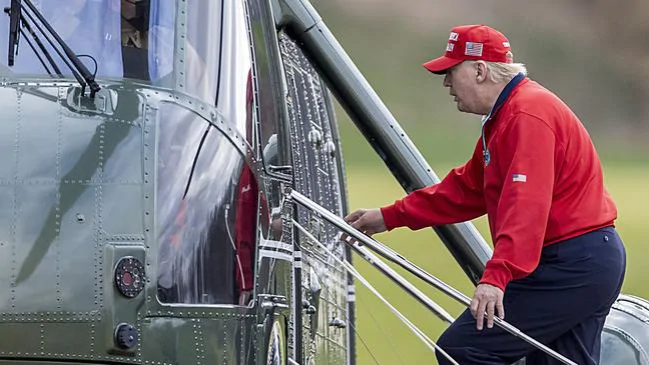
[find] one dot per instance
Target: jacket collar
(511, 85)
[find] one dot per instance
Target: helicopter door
(318, 175)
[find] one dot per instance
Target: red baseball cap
(472, 42)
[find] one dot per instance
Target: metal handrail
(401, 261)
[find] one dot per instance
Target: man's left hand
(487, 299)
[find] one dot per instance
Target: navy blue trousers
(562, 304)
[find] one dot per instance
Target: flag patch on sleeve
(519, 178)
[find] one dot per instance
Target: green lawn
(387, 338)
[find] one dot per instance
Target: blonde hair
(504, 72)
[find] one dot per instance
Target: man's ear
(481, 71)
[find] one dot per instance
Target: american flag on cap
(473, 49)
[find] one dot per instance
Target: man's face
(462, 84)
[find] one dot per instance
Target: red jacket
(543, 184)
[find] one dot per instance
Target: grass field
(382, 336)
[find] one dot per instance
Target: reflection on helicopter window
(206, 213)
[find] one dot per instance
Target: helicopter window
(216, 60)
(134, 24)
(115, 33)
(216, 56)
(89, 27)
(206, 212)
(127, 38)
(148, 40)
(136, 39)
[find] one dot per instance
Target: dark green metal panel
(64, 220)
(225, 340)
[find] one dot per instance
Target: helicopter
(172, 185)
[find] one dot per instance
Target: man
(558, 263)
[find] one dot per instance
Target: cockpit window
(115, 33)
(89, 27)
(197, 46)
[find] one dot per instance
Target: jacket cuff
(496, 275)
(391, 217)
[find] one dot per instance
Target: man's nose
(447, 81)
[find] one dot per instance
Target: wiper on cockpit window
(78, 69)
(14, 16)
(13, 40)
